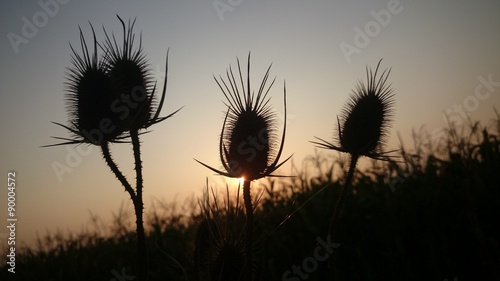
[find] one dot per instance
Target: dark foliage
(432, 217)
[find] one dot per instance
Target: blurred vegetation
(432, 213)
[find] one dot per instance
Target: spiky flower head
(110, 95)
(219, 245)
(89, 98)
(131, 80)
(248, 143)
(365, 120)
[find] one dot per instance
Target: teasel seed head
(365, 120)
(248, 144)
(228, 259)
(243, 128)
(110, 95)
(219, 245)
(131, 80)
(89, 99)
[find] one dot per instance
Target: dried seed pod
(89, 99)
(131, 80)
(249, 142)
(365, 120)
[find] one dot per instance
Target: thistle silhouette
(219, 244)
(132, 82)
(110, 99)
(248, 140)
(362, 129)
(89, 99)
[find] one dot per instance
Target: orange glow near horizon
(58, 186)
(241, 180)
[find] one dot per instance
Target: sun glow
(241, 180)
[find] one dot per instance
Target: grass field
(434, 215)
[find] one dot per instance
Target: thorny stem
(136, 198)
(249, 235)
(138, 206)
(114, 168)
(344, 192)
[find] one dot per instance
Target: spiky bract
(110, 96)
(249, 143)
(365, 120)
(131, 79)
(249, 138)
(228, 260)
(219, 245)
(89, 98)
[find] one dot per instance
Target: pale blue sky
(437, 51)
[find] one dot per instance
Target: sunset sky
(444, 55)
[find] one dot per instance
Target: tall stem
(344, 192)
(249, 233)
(114, 168)
(136, 198)
(138, 206)
(343, 196)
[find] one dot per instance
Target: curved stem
(341, 201)
(114, 168)
(249, 233)
(138, 206)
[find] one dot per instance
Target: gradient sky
(438, 50)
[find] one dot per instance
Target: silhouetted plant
(219, 243)
(432, 217)
(89, 98)
(132, 81)
(110, 99)
(362, 128)
(248, 140)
